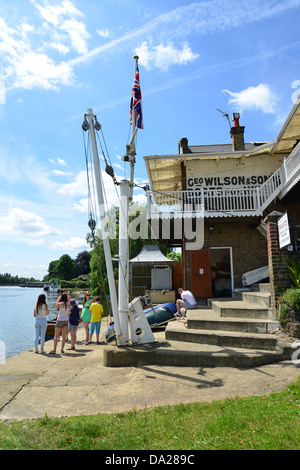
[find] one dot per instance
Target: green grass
(268, 422)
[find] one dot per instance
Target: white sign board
(284, 231)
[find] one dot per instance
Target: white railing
(230, 202)
(220, 202)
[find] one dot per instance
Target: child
(96, 314)
(73, 322)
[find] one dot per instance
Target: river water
(17, 331)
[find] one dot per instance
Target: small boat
(51, 329)
(53, 287)
(156, 316)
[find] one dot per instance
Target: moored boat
(156, 316)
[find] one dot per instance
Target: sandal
(70, 349)
(52, 352)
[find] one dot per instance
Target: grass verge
(268, 422)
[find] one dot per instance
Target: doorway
(212, 272)
(222, 271)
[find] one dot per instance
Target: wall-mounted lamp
(211, 229)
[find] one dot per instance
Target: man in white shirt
(187, 300)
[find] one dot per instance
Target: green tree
(66, 268)
(98, 274)
(82, 262)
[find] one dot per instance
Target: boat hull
(50, 331)
(156, 316)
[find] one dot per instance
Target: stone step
(177, 331)
(261, 287)
(209, 320)
(182, 354)
(240, 309)
(258, 298)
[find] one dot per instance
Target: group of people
(68, 317)
(67, 320)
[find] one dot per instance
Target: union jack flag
(136, 102)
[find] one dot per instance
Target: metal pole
(111, 281)
(124, 261)
(133, 134)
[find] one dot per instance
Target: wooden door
(201, 285)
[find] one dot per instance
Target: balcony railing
(229, 202)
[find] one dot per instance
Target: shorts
(72, 327)
(187, 305)
(61, 324)
(93, 325)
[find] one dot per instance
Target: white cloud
(26, 226)
(36, 70)
(61, 173)
(54, 13)
(61, 162)
(164, 56)
(23, 48)
(63, 19)
(82, 205)
(259, 97)
(28, 65)
(74, 244)
(104, 33)
(77, 187)
(78, 35)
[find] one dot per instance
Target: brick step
(208, 320)
(262, 299)
(182, 354)
(261, 287)
(240, 309)
(177, 331)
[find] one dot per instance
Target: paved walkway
(77, 383)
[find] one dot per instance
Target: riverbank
(77, 383)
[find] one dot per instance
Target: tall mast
(108, 260)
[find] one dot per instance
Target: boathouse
(229, 192)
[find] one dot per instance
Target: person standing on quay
(86, 315)
(73, 322)
(41, 311)
(62, 323)
(97, 312)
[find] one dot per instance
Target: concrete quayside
(229, 332)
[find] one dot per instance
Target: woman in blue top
(73, 322)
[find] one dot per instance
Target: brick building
(229, 190)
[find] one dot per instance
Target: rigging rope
(92, 206)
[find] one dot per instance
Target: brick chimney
(237, 133)
(183, 146)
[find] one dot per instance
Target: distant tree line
(9, 280)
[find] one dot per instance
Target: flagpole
(132, 143)
(126, 193)
(136, 58)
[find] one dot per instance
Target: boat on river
(51, 288)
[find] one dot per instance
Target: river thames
(17, 330)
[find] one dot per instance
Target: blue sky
(60, 58)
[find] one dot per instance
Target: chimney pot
(237, 133)
(236, 119)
